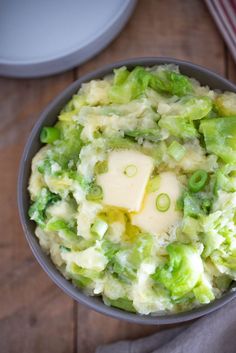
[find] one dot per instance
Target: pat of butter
(149, 218)
(125, 182)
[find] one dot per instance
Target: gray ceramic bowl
(49, 117)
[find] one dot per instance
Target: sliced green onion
(95, 193)
(131, 170)
(198, 180)
(101, 167)
(153, 184)
(49, 134)
(163, 202)
(176, 150)
(99, 228)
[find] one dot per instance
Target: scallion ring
(95, 193)
(101, 167)
(198, 180)
(163, 202)
(131, 170)
(49, 134)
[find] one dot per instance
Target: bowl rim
(44, 260)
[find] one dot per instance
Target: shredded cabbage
(184, 129)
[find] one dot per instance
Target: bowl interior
(49, 117)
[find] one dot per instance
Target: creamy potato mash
(134, 192)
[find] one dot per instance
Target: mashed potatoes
(134, 194)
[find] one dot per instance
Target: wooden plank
(35, 316)
(95, 329)
(180, 29)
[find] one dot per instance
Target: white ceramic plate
(44, 37)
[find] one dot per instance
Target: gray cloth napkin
(214, 333)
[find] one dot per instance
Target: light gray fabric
(214, 333)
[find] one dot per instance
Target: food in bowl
(134, 192)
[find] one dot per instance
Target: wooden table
(35, 315)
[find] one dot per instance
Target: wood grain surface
(36, 316)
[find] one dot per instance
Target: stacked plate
(39, 38)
